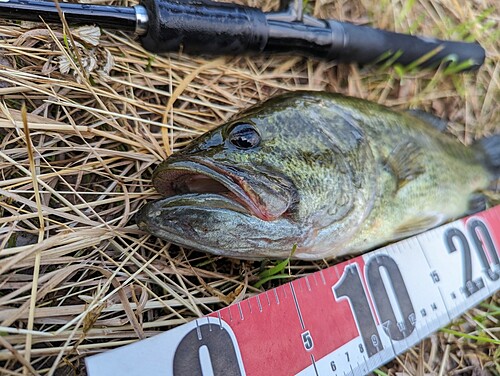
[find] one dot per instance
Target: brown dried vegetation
(76, 275)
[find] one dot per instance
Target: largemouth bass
(334, 175)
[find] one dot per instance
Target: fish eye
(244, 136)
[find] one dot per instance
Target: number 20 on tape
(345, 320)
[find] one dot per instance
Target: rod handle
(204, 27)
(362, 44)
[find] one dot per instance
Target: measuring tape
(345, 320)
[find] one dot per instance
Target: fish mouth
(188, 177)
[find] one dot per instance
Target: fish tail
(490, 147)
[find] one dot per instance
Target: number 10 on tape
(344, 320)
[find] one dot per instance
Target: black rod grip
(113, 17)
(204, 27)
(353, 43)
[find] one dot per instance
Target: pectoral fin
(405, 162)
(418, 224)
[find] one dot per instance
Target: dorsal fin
(405, 163)
(438, 123)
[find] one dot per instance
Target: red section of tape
(491, 218)
(260, 324)
(270, 327)
(330, 323)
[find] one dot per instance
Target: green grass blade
(269, 278)
(469, 336)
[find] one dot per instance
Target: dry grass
(76, 275)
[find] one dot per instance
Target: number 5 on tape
(344, 320)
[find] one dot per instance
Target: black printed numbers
(435, 276)
(483, 246)
(390, 296)
(397, 328)
(333, 366)
(215, 343)
(453, 236)
(307, 340)
(351, 287)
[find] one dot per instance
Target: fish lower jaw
(182, 241)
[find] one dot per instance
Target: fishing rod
(204, 27)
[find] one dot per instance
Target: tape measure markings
(306, 334)
(437, 302)
(468, 268)
(345, 320)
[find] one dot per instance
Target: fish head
(255, 186)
